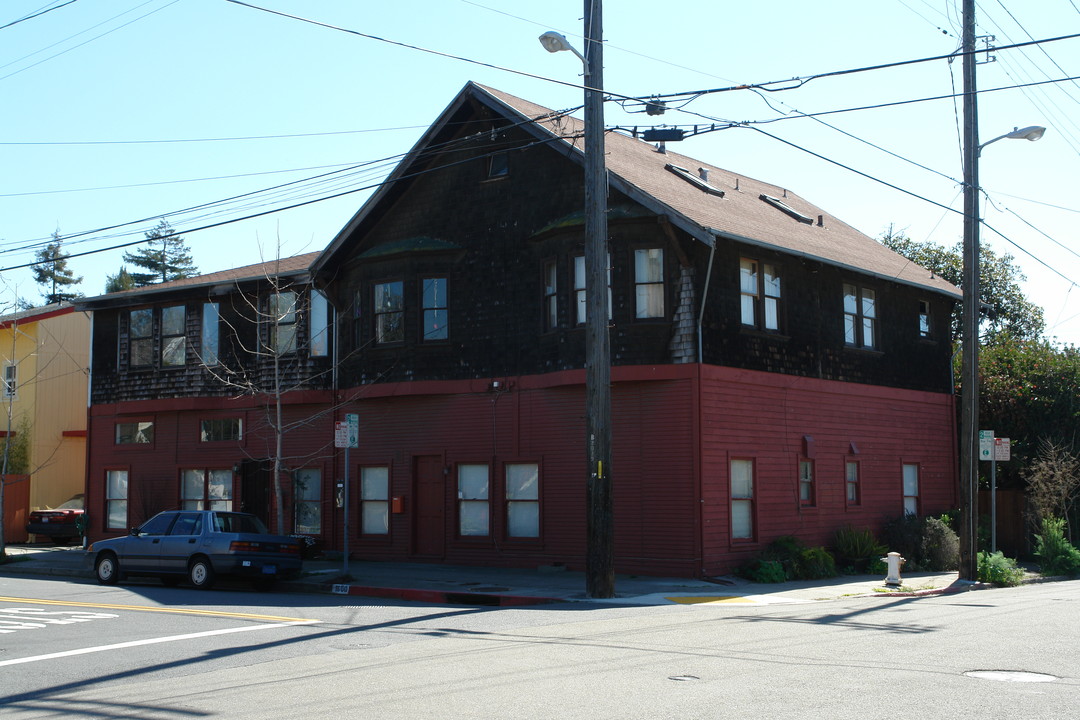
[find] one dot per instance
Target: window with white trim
(851, 481)
(860, 316)
(435, 309)
(759, 286)
(173, 336)
(742, 499)
(579, 288)
(206, 489)
(806, 482)
(911, 489)
(474, 510)
(649, 283)
(116, 499)
(375, 500)
(523, 500)
(11, 374)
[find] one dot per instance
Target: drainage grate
(1011, 676)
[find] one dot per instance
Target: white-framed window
(649, 283)
(474, 506)
(282, 322)
(135, 433)
(911, 489)
(390, 312)
(221, 430)
(375, 500)
(206, 489)
(580, 302)
(307, 503)
(550, 301)
(523, 500)
(210, 333)
(318, 325)
(851, 481)
(11, 380)
(924, 319)
(173, 336)
(759, 287)
(860, 316)
(742, 499)
(116, 499)
(435, 309)
(498, 165)
(806, 482)
(141, 337)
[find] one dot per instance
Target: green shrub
(903, 534)
(857, 548)
(785, 550)
(1056, 554)
(939, 547)
(763, 571)
(997, 569)
(814, 563)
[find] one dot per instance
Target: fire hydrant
(894, 561)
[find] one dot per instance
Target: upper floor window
(498, 165)
(649, 283)
(173, 336)
(210, 333)
(860, 316)
(318, 325)
(924, 319)
(436, 325)
(551, 304)
(759, 286)
(282, 321)
(10, 380)
(221, 430)
(579, 288)
(141, 337)
(389, 312)
(135, 433)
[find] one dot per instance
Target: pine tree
(120, 281)
(52, 272)
(167, 257)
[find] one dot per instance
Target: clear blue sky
(108, 108)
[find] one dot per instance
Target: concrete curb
(444, 597)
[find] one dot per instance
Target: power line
(215, 139)
(37, 14)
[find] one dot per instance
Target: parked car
(198, 545)
(61, 523)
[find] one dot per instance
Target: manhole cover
(1010, 676)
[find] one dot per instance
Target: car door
(181, 542)
(142, 549)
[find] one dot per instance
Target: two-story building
(774, 371)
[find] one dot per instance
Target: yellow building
(44, 358)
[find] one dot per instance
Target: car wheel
(107, 569)
(201, 573)
(171, 580)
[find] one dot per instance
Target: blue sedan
(198, 545)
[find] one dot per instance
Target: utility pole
(969, 370)
(600, 541)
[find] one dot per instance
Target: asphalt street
(155, 652)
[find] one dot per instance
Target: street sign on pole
(352, 420)
(986, 444)
(1002, 449)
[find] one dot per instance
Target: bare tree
(1053, 483)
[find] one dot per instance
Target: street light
(600, 536)
(1031, 132)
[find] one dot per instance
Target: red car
(61, 524)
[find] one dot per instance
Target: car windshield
(238, 523)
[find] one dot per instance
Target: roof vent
(787, 209)
(700, 183)
(703, 173)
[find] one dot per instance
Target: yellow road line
(144, 608)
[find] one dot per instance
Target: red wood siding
(764, 416)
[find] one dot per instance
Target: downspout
(704, 297)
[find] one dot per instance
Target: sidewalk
(520, 586)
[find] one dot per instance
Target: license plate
(269, 569)
(44, 519)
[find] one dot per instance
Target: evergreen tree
(167, 257)
(52, 272)
(120, 281)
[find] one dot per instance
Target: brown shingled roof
(639, 169)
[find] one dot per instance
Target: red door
(430, 506)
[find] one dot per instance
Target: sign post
(346, 435)
(1002, 447)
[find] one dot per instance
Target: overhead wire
(38, 13)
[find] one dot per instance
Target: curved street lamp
(1031, 132)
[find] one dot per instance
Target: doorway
(430, 517)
